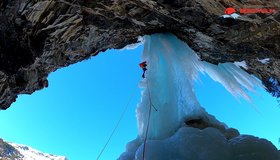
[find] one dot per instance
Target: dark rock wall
(40, 36)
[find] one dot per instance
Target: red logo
(230, 10)
(257, 10)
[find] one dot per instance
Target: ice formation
(208, 144)
(140, 41)
(242, 64)
(172, 69)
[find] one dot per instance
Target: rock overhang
(39, 37)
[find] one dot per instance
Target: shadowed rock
(39, 37)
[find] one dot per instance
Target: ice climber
(143, 65)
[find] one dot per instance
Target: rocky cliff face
(39, 37)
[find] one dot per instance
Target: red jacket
(143, 64)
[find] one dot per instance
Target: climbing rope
(148, 124)
(117, 125)
(151, 105)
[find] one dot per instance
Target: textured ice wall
(172, 69)
(208, 144)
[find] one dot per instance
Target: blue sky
(75, 115)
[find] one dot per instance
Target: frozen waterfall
(172, 69)
(169, 86)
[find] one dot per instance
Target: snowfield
(33, 154)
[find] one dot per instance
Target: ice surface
(241, 64)
(140, 41)
(172, 69)
(188, 143)
(169, 86)
(131, 149)
(208, 144)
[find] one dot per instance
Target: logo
(230, 11)
(257, 10)
(233, 13)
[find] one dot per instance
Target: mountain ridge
(13, 151)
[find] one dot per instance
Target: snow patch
(33, 154)
(264, 61)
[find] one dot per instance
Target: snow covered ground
(29, 153)
(180, 128)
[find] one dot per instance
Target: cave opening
(75, 114)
